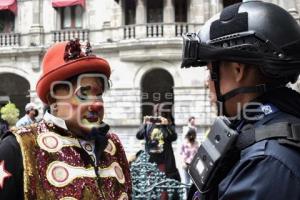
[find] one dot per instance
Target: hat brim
(76, 67)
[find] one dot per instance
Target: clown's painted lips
(92, 117)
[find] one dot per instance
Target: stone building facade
(141, 39)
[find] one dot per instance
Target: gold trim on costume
(89, 148)
(111, 148)
(114, 170)
(53, 142)
(25, 178)
(123, 196)
(68, 198)
(60, 174)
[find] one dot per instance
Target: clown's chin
(90, 123)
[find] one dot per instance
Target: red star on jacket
(3, 173)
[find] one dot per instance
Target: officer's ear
(239, 71)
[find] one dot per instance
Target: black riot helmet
(254, 32)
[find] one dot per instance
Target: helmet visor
(198, 53)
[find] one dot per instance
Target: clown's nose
(96, 106)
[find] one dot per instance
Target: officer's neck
(235, 105)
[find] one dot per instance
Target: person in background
(187, 151)
(30, 116)
(185, 129)
(190, 125)
(158, 131)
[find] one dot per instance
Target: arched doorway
(15, 89)
(156, 87)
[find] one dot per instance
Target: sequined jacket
(44, 161)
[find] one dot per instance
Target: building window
(230, 2)
(71, 17)
(155, 11)
(180, 10)
(130, 6)
(159, 91)
(7, 21)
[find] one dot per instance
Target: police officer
(251, 50)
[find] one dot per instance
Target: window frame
(128, 19)
(73, 17)
(8, 21)
(182, 11)
(160, 8)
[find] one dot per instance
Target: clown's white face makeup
(84, 108)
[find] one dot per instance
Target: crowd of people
(251, 51)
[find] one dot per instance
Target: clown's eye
(83, 96)
(85, 93)
(82, 93)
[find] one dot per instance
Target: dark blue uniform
(267, 170)
(245, 38)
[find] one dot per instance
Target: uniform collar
(55, 120)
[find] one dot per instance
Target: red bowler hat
(66, 59)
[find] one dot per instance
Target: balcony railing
(181, 28)
(154, 30)
(129, 32)
(9, 39)
(68, 34)
(158, 30)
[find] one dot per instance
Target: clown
(70, 154)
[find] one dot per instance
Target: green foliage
(148, 182)
(10, 113)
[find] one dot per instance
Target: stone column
(117, 14)
(116, 23)
(140, 19)
(298, 4)
(196, 11)
(216, 7)
(140, 12)
(169, 11)
(36, 29)
(169, 19)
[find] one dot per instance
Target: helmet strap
(221, 99)
(253, 89)
(215, 77)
